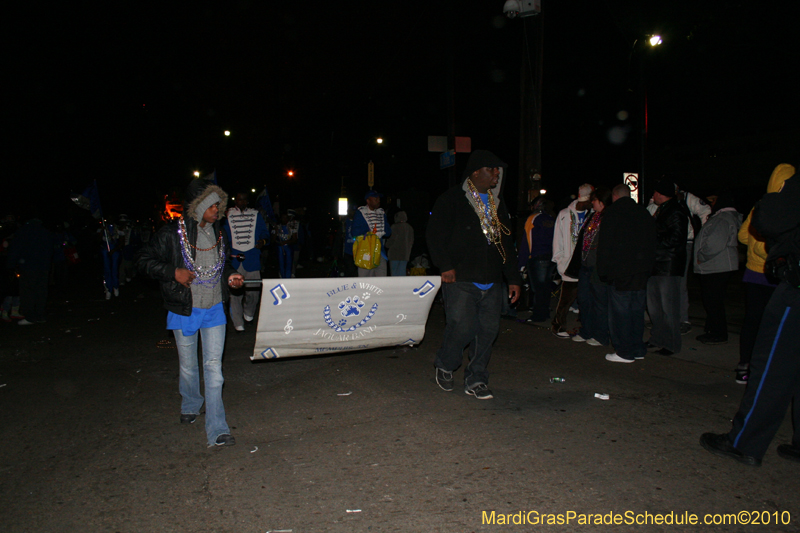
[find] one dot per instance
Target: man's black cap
(482, 158)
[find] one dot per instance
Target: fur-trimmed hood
(197, 191)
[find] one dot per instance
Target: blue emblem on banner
(269, 353)
(351, 306)
(274, 290)
(425, 289)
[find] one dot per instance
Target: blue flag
(265, 204)
(89, 200)
(211, 177)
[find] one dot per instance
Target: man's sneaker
(614, 358)
(561, 334)
(720, 445)
(444, 379)
(788, 451)
(188, 419)
(116, 292)
(25, 322)
(708, 338)
(742, 374)
(247, 318)
(480, 391)
(108, 295)
(686, 327)
(225, 440)
(578, 338)
(592, 342)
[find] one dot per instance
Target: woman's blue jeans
(540, 277)
(213, 341)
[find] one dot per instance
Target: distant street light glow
(542, 191)
(655, 40)
(290, 173)
(252, 190)
(342, 206)
(379, 140)
(227, 133)
(196, 173)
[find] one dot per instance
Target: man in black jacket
(470, 244)
(190, 258)
(625, 256)
(664, 286)
(774, 381)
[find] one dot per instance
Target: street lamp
(227, 133)
(343, 200)
(196, 173)
(654, 41)
(379, 140)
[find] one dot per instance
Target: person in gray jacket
(399, 244)
(716, 258)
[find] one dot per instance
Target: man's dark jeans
(473, 318)
(593, 301)
(664, 306)
(540, 278)
(626, 322)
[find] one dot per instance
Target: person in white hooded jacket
(568, 225)
(716, 258)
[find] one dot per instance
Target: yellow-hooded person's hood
(756, 251)
(782, 172)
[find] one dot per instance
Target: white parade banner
(314, 316)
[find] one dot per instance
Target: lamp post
(652, 41)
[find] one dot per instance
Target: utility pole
(530, 146)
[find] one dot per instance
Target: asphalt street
(366, 441)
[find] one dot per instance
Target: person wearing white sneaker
(614, 358)
(592, 293)
(625, 257)
(568, 224)
(248, 233)
(593, 342)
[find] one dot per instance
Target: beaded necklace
(204, 275)
(590, 235)
(491, 225)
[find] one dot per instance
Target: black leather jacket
(672, 229)
(162, 256)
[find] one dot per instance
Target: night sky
(137, 96)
